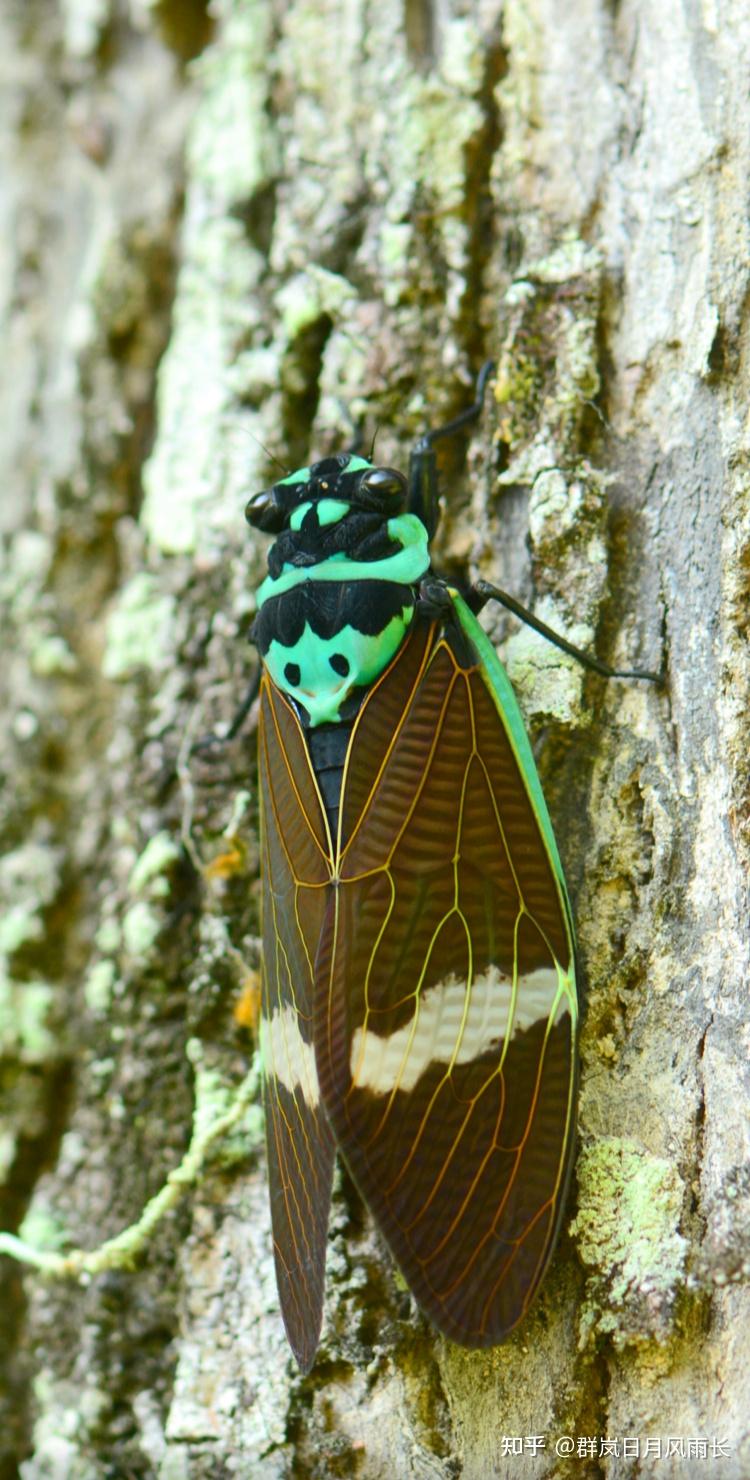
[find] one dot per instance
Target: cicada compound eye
(383, 489)
(264, 512)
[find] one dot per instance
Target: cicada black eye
(264, 512)
(383, 489)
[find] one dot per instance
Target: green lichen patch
(548, 370)
(51, 656)
(157, 858)
(138, 631)
(26, 1034)
(109, 936)
(214, 1099)
(140, 928)
(627, 1231)
(233, 151)
(43, 1230)
(227, 1125)
(29, 881)
(307, 296)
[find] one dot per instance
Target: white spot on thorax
(451, 1025)
(287, 1057)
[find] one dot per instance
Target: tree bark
(335, 212)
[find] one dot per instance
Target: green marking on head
(297, 515)
(328, 511)
(331, 510)
(357, 464)
(406, 567)
(302, 475)
(320, 672)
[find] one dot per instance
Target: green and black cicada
(419, 1008)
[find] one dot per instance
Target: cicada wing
(445, 1015)
(296, 874)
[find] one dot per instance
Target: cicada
(419, 1008)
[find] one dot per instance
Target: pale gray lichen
(51, 656)
(29, 880)
(571, 258)
(436, 129)
(232, 149)
(83, 25)
(548, 369)
(559, 505)
(68, 1413)
(547, 681)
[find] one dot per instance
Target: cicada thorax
(339, 598)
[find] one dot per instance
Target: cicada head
(341, 485)
(342, 580)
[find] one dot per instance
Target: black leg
(247, 703)
(422, 498)
(434, 598)
(484, 592)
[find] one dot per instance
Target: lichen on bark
(374, 199)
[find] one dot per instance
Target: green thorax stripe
(507, 704)
(306, 672)
(405, 567)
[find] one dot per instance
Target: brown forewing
(443, 880)
(296, 873)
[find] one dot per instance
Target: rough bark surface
(231, 228)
